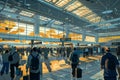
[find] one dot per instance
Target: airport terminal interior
(55, 28)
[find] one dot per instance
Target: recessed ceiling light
(107, 12)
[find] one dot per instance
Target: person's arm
(117, 67)
(1, 60)
(102, 63)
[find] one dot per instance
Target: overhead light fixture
(58, 22)
(44, 18)
(107, 12)
(25, 13)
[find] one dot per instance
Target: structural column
(96, 38)
(36, 28)
(83, 36)
(36, 24)
(67, 32)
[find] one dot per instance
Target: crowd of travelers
(10, 60)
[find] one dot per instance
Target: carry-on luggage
(26, 77)
(78, 73)
(19, 72)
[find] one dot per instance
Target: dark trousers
(110, 78)
(34, 76)
(5, 68)
(74, 66)
(12, 69)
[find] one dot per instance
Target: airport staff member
(109, 63)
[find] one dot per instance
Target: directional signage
(65, 39)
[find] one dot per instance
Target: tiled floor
(91, 71)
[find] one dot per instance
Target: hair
(34, 49)
(75, 48)
(6, 51)
(107, 49)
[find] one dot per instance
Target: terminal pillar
(83, 36)
(96, 39)
(67, 32)
(36, 24)
(32, 43)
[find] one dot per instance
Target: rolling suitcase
(78, 73)
(26, 77)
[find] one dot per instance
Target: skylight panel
(73, 6)
(58, 22)
(44, 18)
(61, 3)
(82, 11)
(48, 0)
(53, 1)
(96, 19)
(76, 27)
(25, 13)
(90, 16)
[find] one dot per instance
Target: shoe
(1, 73)
(11, 79)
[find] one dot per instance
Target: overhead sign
(65, 39)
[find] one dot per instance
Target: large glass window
(75, 36)
(90, 39)
(51, 33)
(106, 39)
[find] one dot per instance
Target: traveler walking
(74, 58)
(14, 59)
(109, 63)
(33, 63)
(5, 62)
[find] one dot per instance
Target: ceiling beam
(103, 22)
(109, 34)
(108, 27)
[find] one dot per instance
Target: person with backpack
(74, 58)
(33, 63)
(13, 59)
(109, 63)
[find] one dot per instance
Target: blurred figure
(109, 63)
(1, 60)
(5, 62)
(33, 63)
(46, 58)
(14, 59)
(74, 58)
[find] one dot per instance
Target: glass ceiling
(77, 8)
(25, 13)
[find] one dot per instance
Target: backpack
(34, 63)
(111, 63)
(10, 58)
(75, 59)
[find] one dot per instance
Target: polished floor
(61, 71)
